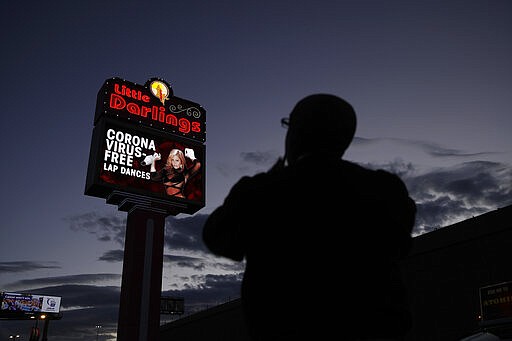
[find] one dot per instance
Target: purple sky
(430, 82)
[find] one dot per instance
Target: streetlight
(98, 327)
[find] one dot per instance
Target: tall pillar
(141, 286)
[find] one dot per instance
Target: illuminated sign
(153, 105)
(147, 145)
(21, 304)
(172, 305)
(144, 161)
(496, 301)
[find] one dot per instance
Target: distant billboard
(143, 161)
(172, 305)
(17, 304)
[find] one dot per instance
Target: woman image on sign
(175, 174)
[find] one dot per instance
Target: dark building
(444, 273)
(447, 268)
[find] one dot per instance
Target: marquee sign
(152, 104)
(146, 162)
(147, 143)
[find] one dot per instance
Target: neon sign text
(158, 113)
(135, 94)
(140, 104)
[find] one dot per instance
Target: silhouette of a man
(322, 237)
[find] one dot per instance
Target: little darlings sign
(153, 105)
(148, 142)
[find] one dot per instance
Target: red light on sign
(152, 105)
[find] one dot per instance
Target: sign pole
(133, 124)
(139, 308)
(45, 329)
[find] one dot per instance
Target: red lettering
(184, 125)
(196, 127)
(171, 119)
(133, 108)
(117, 102)
(116, 89)
(135, 94)
(158, 113)
(144, 111)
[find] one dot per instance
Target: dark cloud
(185, 262)
(24, 266)
(176, 260)
(228, 265)
(361, 140)
(82, 295)
(180, 233)
(181, 259)
(439, 151)
(185, 233)
(397, 166)
(251, 162)
(259, 158)
(70, 279)
(436, 150)
(105, 228)
(112, 256)
(448, 195)
(432, 149)
(215, 289)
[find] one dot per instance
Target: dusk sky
(431, 83)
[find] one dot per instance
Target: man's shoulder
(354, 169)
(390, 178)
(377, 172)
(252, 182)
(379, 178)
